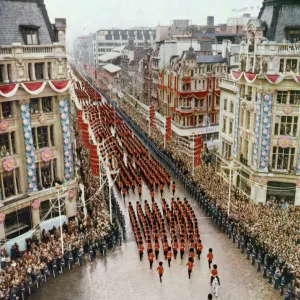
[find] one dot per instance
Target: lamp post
(193, 137)
(58, 187)
(230, 167)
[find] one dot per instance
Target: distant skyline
(87, 16)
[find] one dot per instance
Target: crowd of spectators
(273, 228)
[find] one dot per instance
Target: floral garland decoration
(257, 129)
(71, 194)
(284, 142)
(29, 148)
(43, 119)
(46, 155)
(262, 180)
(65, 124)
(8, 164)
(2, 218)
(36, 204)
(266, 131)
(287, 109)
(4, 125)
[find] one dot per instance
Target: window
(7, 111)
(217, 101)
(10, 184)
(46, 173)
(283, 158)
(231, 106)
(230, 127)
(47, 206)
(210, 83)
(217, 83)
(248, 119)
(281, 66)
(295, 97)
(34, 106)
(291, 65)
(31, 36)
(199, 120)
(282, 97)
(39, 70)
(209, 101)
(43, 136)
(7, 144)
(286, 125)
(225, 104)
(224, 126)
(47, 104)
(18, 222)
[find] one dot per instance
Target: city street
(122, 276)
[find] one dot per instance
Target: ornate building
(35, 133)
(259, 124)
(188, 91)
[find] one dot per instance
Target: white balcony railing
(19, 51)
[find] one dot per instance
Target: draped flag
(168, 129)
(197, 150)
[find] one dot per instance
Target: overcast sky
(84, 16)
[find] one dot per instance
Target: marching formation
(172, 231)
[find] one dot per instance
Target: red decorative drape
(168, 129)
(94, 159)
(85, 135)
(197, 151)
(79, 119)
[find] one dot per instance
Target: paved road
(122, 276)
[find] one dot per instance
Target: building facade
(35, 133)
(259, 124)
(189, 92)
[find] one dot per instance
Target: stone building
(188, 91)
(35, 133)
(259, 123)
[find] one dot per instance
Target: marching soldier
(253, 256)
(259, 261)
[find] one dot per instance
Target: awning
(109, 56)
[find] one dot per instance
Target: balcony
(273, 49)
(228, 85)
(18, 51)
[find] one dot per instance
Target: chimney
(60, 26)
(210, 21)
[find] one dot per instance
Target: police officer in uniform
(233, 234)
(253, 256)
(282, 284)
(70, 260)
(265, 269)
(259, 260)
(242, 244)
(248, 251)
(271, 274)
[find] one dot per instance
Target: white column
(297, 197)
(5, 74)
(2, 232)
(32, 72)
(259, 194)
(46, 75)
(35, 213)
(71, 209)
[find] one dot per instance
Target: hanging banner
(197, 151)
(168, 129)
(152, 114)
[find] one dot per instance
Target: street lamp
(58, 188)
(108, 174)
(230, 167)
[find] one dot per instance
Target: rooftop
(109, 56)
(14, 13)
(207, 59)
(111, 68)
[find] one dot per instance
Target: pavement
(121, 275)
